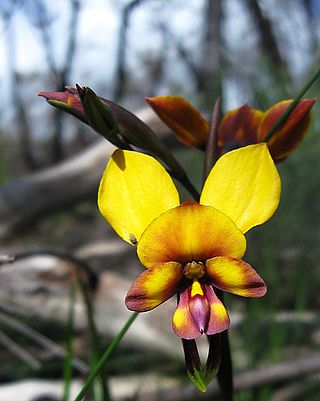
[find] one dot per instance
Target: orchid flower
(189, 249)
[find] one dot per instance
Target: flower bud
(114, 123)
(100, 117)
(68, 101)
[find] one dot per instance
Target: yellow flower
(190, 248)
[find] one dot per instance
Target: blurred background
(251, 51)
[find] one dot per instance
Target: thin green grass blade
(97, 369)
(67, 366)
(101, 388)
(295, 101)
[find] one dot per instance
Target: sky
(98, 29)
(98, 20)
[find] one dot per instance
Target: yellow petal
(235, 276)
(133, 191)
(245, 185)
(154, 286)
(190, 232)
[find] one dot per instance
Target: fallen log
(36, 287)
(58, 187)
(150, 386)
(34, 195)
(282, 372)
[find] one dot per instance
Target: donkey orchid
(191, 248)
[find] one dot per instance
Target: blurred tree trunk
(41, 18)
(206, 73)
(267, 36)
(211, 60)
(310, 10)
(21, 122)
(157, 64)
(63, 76)
(121, 73)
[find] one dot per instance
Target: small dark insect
(133, 239)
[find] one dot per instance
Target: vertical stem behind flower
(224, 374)
(212, 152)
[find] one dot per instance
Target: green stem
(67, 368)
(106, 356)
(293, 104)
(95, 341)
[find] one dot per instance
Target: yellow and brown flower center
(194, 270)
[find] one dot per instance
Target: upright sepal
(134, 190)
(245, 185)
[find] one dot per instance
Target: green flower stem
(95, 372)
(67, 368)
(293, 104)
(96, 348)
